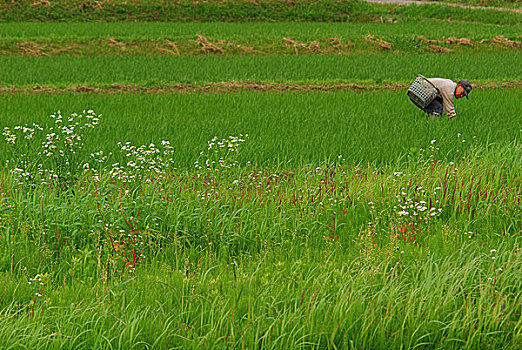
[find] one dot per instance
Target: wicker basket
(422, 91)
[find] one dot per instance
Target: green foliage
(188, 11)
(436, 11)
(238, 256)
(332, 300)
(238, 11)
(495, 3)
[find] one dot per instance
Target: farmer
(447, 91)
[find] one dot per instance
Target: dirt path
(229, 87)
(413, 2)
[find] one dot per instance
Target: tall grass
(270, 220)
(286, 237)
(249, 256)
(438, 302)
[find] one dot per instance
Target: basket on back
(422, 91)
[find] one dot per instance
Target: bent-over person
(448, 90)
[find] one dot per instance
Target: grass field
(257, 200)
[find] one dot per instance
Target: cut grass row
(146, 71)
(234, 11)
(201, 45)
(250, 38)
(286, 129)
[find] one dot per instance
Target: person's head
(463, 89)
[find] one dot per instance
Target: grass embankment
(420, 252)
(506, 4)
(240, 11)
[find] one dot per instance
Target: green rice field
(154, 71)
(268, 185)
(249, 31)
(290, 129)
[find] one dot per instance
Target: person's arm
(449, 107)
(447, 93)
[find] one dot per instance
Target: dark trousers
(434, 108)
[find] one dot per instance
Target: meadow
(280, 199)
(140, 254)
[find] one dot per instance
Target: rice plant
(160, 71)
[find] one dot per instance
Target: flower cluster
(21, 150)
(65, 140)
(20, 132)
(414, 211)
(37, 284)
(36, 280)
(58, 157)
(220, 154)
(128, 250)
(66, 135)
(141, 161)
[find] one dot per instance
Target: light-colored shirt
(447, 92)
